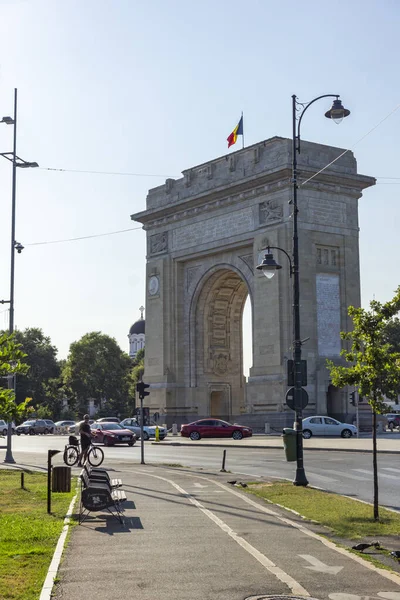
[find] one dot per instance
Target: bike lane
(191, 535)
(320, 567)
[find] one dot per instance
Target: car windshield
(28, 423)
(111, 426)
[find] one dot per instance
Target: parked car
(4, 427)
(64, 423)
(214, 428)
(318, 425)
(149, 431)
(108, 420)
(33, 427)
(392, 420)
(51, 425)
(110, 434)
(74, 428)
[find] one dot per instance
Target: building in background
(137, 335)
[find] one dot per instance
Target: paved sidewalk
(387, 443)
(189, 534)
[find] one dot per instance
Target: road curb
(267, 447)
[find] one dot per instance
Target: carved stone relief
(159, 242)
(269, 211)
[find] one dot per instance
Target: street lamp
(15, 246)
(337, 113)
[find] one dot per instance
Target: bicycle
(72, 452)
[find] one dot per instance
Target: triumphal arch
(206, 233)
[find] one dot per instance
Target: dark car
(393, 420)
(110, 434)
(32, 427)
(214, 428)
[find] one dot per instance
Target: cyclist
(86, 437)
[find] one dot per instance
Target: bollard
(22, 480)
(50, 454)
(223, 462)
(157, 434)
(174, 429)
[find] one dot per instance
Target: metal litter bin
(289, 443)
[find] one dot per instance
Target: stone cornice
(277, 181)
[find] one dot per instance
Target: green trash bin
(289, 443)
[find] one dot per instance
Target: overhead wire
(353, 146)
(154, 175)
(83, 237)
(106, 172)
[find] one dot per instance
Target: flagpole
(243, 132)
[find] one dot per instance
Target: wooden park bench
(99, 496)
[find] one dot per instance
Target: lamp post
(337, 113)
(15, 246)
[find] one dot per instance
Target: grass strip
(28, 535)
(345, 517)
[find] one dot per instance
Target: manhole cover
(277, 597)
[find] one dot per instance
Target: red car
(111, 433)
(214, 428)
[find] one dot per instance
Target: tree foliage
(97, 369)
(43, 367)
(11, 356)
(374, 364)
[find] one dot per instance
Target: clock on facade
(154, 285)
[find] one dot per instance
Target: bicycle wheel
(71, 455)
(95, 456)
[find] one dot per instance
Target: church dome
(138, 327)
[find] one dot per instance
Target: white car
(327, 426)
(4, 427)
(149, 431)
(74, 428)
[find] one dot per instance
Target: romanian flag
(237, 131)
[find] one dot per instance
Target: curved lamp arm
(284, 251)
(304, 110)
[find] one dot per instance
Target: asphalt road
(342, 472)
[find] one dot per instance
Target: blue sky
(154, 87)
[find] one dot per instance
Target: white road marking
(394, 577)
(379, 474)
(319, 566)
(350, 475)
(292, 584)
(207, 492)
(200, 485)
(340, 596)
(322, 477)
(389, 595)
(390, 469)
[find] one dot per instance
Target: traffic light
(353, 398)
(141, 388)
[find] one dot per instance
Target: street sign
(290, 398)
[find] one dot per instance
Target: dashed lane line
(284, 577)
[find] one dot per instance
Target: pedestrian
(86, 439)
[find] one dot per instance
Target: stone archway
(206, 233)
(218, 344)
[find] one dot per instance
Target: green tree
(41, 358)
(97, 369)
(11, 356)
(375, 366)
